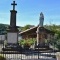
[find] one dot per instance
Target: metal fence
(27, 54)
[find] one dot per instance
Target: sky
(28, 11)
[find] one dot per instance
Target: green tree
(27, 27)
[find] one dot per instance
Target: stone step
(11, 49)
(43, 49)
(10, 52)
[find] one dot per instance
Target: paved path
(27, 57)
(31, 59)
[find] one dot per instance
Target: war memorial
(41, 51)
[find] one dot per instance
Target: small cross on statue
(13, 5)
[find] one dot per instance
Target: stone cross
(13, 5)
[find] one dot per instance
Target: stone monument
(41, 20)
(12, 33)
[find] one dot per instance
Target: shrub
(27, 42)
(58, 44)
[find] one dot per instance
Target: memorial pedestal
(12, 37)
(58, 55)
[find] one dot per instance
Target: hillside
(4, 27)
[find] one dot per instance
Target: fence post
(21, 54)
(38, 51)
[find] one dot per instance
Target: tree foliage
(26, 27)
(3, 28)
(56, 40)
(27, 42)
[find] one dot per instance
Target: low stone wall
(58, 55)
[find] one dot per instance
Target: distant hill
(4, 27)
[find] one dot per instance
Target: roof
(28, 30)
(35, 29)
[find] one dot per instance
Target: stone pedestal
(12, 37)
(37, 36)
(58, 55)
(40, 37)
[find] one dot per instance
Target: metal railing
(27, 54)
